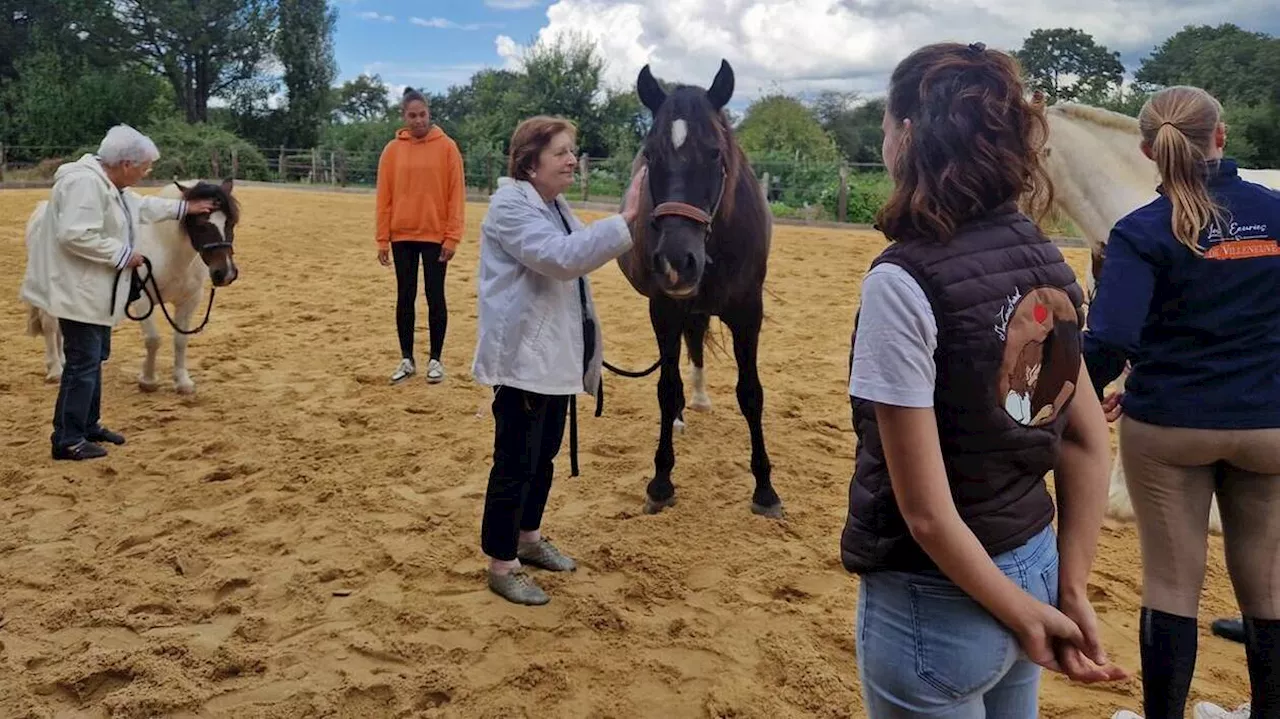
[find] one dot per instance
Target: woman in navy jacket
(1190, 296)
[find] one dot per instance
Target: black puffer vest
(1009, 316)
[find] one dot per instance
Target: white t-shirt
(896, 337)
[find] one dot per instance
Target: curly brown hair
(974, 142)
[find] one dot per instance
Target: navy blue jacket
(1202, 332)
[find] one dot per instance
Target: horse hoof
(774, 512)
(700, 403)
(53, 378)
(148, 385)
(653, 506)
(188, 388)
(678, 426)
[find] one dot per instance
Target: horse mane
(1096, 115)
(202, 190)
(707, 127)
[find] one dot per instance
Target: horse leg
(151, 340)
(186, 309)
(744, 322)
(695, 331)
(665, 316)
(53, 359)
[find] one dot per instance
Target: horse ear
(180, 187)
(650, 92)
(722, 88)
(228, 185)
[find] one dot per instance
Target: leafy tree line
(259, 75)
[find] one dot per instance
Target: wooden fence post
(342, 167)
(315, 165)
(214, 163)
(235, 163)
(764, 186)
(585, 168)
(488, 172)
(3, 162)
(333, 167)
(842, 201)
(282, 166)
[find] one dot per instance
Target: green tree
(1233, 64)
(1067, 64)
(364, 99)
(780, 124)
(304, 45)
(855, 126)
(204, 49)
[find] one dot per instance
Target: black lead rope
(138, 285)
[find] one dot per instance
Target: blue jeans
(926, 649)
(79, 404)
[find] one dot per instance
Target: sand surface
(300, 539)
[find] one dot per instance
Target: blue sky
(429, 43)
(797, 46)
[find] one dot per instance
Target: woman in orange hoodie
(421, 200)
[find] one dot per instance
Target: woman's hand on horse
(384, 257)
(201, 207)
(1111, 406)
(631, 205)
(135, 260)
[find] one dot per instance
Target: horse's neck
(166, 245)
(1100, 177)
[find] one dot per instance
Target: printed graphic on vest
(1239, 242)
(1041, 334)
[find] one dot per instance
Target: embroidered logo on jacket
(1041, 334)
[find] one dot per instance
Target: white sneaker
(435, 372)
(1208, 710)
(1125, 714)
(403, 371)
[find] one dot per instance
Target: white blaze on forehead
(219, 220)
(679, 131)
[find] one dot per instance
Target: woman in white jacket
(79, 256)
(539, 343)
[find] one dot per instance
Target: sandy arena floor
(300, 539)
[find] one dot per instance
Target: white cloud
(443, 24)
(806, 45)
(510, 51)
(510, 4)
(431, 77)
(371, 15)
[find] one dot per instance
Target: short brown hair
(974, 142)
(529, 140)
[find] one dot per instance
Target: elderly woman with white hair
(79, 256)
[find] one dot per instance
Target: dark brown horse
(701, 248)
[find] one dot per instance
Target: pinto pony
(701, 248)
(181, 254)
(1099, 174)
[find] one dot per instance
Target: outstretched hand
(631, 202)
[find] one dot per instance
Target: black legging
(406, 254)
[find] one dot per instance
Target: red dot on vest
(1041, 313)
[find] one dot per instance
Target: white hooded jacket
(80, 239)
(529, 329)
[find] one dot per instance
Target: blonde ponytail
(1178, 125)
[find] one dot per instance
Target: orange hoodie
(421, 189)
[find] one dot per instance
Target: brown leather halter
(697, 214)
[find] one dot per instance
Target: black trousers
(406, 254)
(528, 431)
(79, 403)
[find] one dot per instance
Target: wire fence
(840, 191)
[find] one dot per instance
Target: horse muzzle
(223, 277)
